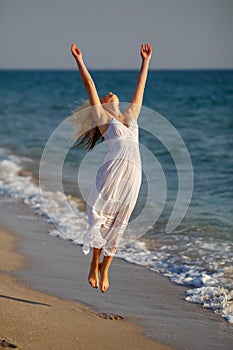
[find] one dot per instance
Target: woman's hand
(146, 52)
(76, 52)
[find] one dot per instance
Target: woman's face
(110, 97)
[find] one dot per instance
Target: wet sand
(56, 267)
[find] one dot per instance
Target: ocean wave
(18, 183)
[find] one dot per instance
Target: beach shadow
(23, 300)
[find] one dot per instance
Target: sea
(195, 108)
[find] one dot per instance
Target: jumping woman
(114, 194)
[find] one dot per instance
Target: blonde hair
(86, 131)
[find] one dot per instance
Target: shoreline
(150, 302)
(34, 320)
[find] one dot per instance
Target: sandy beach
(34, 320)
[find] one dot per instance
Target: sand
(38, 321)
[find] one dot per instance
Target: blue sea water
(199, 104)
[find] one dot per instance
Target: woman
(113, 196)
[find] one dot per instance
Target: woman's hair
(87, 133)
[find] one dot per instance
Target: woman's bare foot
(103, 268)
(93, 278)
(104, 283)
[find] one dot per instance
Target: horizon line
(119, 69)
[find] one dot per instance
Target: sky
(37, 34)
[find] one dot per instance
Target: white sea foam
(210, 287)
(218, 299)
(70, 224)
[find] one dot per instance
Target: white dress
(115, 192)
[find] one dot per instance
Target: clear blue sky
(183, 33)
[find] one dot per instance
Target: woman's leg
(94, 268)
(104, 267)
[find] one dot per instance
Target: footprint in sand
(6, 344)
(110, 316)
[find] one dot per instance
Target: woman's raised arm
(85, 76)
(146, 53)
(137, 98)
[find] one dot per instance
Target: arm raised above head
(99, 114)
(137, 98)
(85, 76)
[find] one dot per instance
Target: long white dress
(115, 192)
